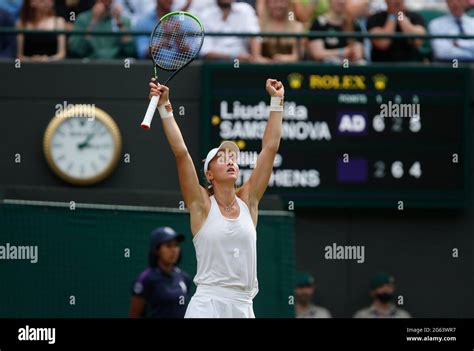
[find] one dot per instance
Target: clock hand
(86, 142)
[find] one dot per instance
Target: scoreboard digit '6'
(375, 136)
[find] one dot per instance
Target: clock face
(82, 150)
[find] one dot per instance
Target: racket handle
(150, 112)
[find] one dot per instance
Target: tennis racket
(174, 43)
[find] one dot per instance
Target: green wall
(81, 252)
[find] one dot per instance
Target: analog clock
(82, 145)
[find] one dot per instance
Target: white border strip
(122, 207)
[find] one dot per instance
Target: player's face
(457, 7)
(224, 166)
(169, 252)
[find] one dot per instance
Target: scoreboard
(374, 136)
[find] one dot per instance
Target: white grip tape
(150, 112)
(276, 104)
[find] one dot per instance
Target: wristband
(392, 17)
(276, 104)
(165, 110)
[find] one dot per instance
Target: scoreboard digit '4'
(374, 136)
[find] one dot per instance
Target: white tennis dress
(226, 277)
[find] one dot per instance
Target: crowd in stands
(453, 17)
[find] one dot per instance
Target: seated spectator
(387, 22)
(13, 7)
(135, 10)
(331, 49)
(7, 41)
(39, 14)
(360, 10)
(306, 11)
(382, 289)
(419, 5)
(455, 23)
(276, 20)
(377, 6)
(304, 293)
(102, 17)
(70, 9)
(197, 6)
(147, 23)
(229, 16)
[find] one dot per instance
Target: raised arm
(258, 181)
(194, 194)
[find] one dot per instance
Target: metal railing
(310, 35)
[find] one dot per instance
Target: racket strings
(176, 41)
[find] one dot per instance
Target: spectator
(276, 20)
(229, 16)
(306, 11)
(13, 7)
(304, 292)
(331, 49)
(455, 23)
(396, 20)
(419, 5)
(147, 23)
(162, 290)
(197, 6)
(39, 14)
(382, 289)
(135, 10)
(7, 41)
(377, 6)
(102, 17)
(70, 9)
(360, 10)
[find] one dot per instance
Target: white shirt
(226, 250)
(196, 7)
(242, 18)
(445, 49)
(412, 5)
(419, 5)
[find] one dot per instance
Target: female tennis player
(223, 220)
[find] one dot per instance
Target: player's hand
(156, 89)
(275, 88)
